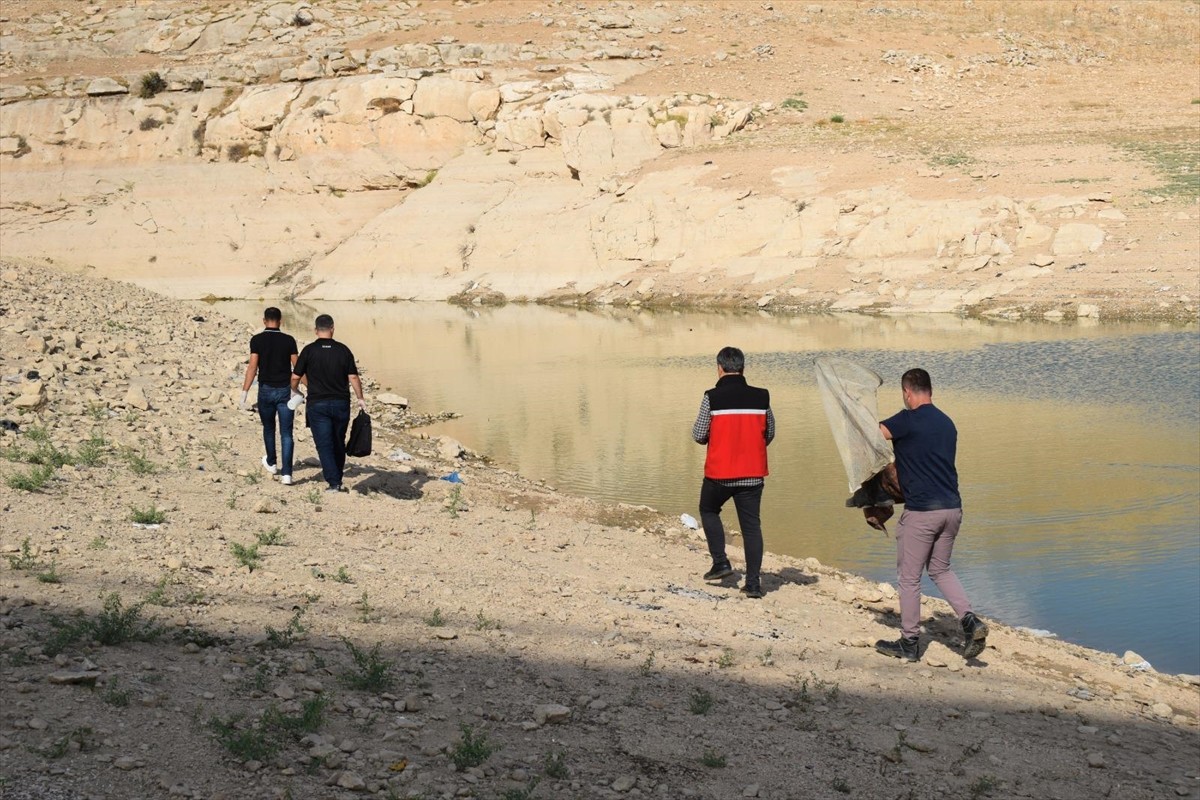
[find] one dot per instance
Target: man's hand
(244, 404)
(362, 405)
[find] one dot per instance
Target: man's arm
(886, 433)
(251, 371)
(703, 423)
(770, 426)
(356, 384)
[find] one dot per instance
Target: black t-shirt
(328, 365)
(275, 350)
(926, 442)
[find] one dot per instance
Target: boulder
(483, 104)
(105, 86)
(1076, 238)
(444, 97)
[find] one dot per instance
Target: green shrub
(114, 625)
(471, 750)
(30, 480)
(151, 84)
(147, 516)
(372, 672)
(246, 555)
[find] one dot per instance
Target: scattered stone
(86, 678)
(624, 783)
(549, 713)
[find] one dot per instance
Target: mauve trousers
(924, 541)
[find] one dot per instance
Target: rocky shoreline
(176, 623)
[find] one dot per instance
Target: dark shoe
(752, 590)
(722, 570)
(975, 633)
(908, 649)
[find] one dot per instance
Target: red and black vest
(737, 438)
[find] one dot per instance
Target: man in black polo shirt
(331, 371)
(272, 354)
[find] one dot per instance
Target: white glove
(245, 403)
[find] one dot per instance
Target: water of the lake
(1079, 445)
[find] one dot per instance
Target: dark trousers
(747, 500)
(329, 420)
(272, 403)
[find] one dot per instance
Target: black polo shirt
(328, 365)
(274, 349)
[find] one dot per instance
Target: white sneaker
(286, 480)
(269, 467)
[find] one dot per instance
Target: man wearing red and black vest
(737, 424)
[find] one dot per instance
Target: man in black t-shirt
(926, 443)
(272, 354)
(330, 369)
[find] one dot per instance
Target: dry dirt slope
(528, 644)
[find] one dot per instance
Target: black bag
(359, 443)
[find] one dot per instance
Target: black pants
(747, 500)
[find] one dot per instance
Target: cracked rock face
(460, 130)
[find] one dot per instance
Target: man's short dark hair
(917, 380)
(273, 314)
(730, 359)
(324, 322)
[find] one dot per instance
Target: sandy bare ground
(529, 644)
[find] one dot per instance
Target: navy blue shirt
(925, 441)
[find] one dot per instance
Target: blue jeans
(329, 420)
(272, 401)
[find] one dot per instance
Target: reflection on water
(1079, 448)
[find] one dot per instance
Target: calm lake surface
(1079, 445)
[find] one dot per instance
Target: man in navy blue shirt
(926, 441)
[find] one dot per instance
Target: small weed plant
(522, 793)
(372, 672)
(30, 480)
(79, 740)
(50, 574)
(454, 503)
(273, 537)
(482, 623)
(701, 702)
(25, 561)
(246, 555)
(727, 659)
(283, 639)
(115, 696)
(435, 620)
(713, 759)
(114, 625)
(366, 612)
(342, 576)
(91, 453)
(138, 463)
(555, 765)
(147, 516)
(795, 103)
(471, 750)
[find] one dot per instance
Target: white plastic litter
(689, 521)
